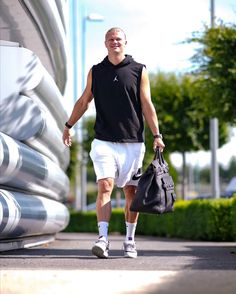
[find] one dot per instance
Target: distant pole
(74, 25)
(214, 139)
(212, 13)
(214, 135)
(92, 17)
(83, 152)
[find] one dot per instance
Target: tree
(215, 67)
(228, 172)
(182, 115)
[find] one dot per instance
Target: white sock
(130, 231)
(103, 230)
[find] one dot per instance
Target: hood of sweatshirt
(127, 60)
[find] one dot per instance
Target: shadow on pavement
(203, 257)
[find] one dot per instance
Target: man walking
(121, 91)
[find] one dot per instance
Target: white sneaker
(130, 249)
(101, 249)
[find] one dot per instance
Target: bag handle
(159, 156)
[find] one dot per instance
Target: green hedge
(233, 218)
(213, 219)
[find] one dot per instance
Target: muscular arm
(148, 109)
(79, 109)
(82, 103)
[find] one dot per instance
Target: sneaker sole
(130, 255)
(97, 251)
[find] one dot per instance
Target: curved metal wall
(31, 107)
(46, 17)
(33, 158)
(26, 215)
(25, 169)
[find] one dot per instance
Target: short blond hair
(115, 29)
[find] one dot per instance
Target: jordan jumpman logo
(115, 79)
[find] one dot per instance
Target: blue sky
(155, 30)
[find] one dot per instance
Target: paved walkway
(163, 266)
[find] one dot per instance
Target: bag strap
(159, 156)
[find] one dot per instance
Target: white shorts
(121, 161)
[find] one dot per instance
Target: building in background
(34, 79)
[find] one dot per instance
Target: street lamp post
(74, 40)
(214, 134)
(92, 17)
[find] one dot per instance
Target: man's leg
(103, 204)
(103, 208)
(131, 219)
(130, 216)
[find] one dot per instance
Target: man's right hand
(67, 137)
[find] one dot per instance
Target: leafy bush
(233, 218)
(211, 219)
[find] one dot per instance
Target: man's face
(115, 41)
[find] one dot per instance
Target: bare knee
(129, 191)
(105, 186)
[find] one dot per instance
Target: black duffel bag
(155, 191)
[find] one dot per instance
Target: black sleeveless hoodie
(116, 91)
